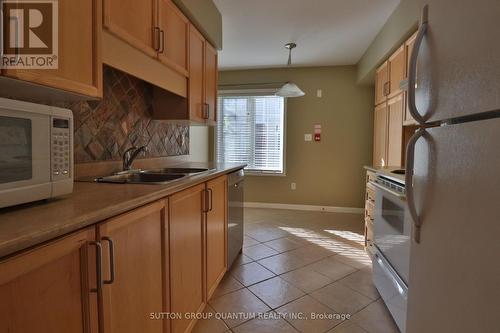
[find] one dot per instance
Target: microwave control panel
(60, 148)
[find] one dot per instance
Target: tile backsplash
(104, 129)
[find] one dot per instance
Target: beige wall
(400, 25)
(330, 172)
(198, 144)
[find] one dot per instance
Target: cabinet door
(397, 70)
(137, 289)
(216, 233)
(47, 289)
(174, 28)
(196, 75)
(408, 119)
(381, 82)
(211, 81)
(186, 220)
(395, 131)
(380, 136)
(133, 21)
(79, 44)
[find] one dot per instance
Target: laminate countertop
(27, 225)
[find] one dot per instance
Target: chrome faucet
(130, 155)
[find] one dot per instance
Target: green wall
(400, 25)
(330, 172)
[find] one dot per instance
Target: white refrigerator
(453, 170)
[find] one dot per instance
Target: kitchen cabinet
(380, 135)
(210, 81)
(196, 101)
(133, 21)
(187, 250)
(397, 71)
(381, 83)
(395, 110)
(79, 52)
(174, 30)
(134, 269)
(216, 233)
(369, 211)
(48, 289)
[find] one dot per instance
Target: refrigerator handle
(412, 73)
(410, 199)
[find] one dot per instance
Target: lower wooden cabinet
(134, 269)
(118, 277)
(216, 233)
(47, 289)
(187, 286)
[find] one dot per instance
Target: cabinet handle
(156, 34)
(111, 260)
(162, 41)
(412, 73)
(206, 111)
(98, 262)
(210, 200)
(205, 201)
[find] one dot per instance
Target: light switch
(293, 186)
(319, 93)
(308, 137)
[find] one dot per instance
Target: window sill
(265, 174)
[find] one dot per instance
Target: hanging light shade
(290, 89)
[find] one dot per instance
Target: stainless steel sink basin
(140, 178)
(176, 170)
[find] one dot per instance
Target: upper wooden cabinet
(397, 71)
(381, 83)
(173, 38)
(133, 21)
(395, 109)
(186, 221)
(79, 46)
(380, 135)
(210, 82)
(216, 233)
(196, 103)
(134, 270)
(48, 289)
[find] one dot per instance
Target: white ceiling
(327, 32)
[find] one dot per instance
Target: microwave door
(24, 149)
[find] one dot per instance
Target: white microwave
(36, 152)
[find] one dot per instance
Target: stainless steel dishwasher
(235, 215)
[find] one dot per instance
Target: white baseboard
(331, 209)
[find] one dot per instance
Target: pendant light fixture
(290, 89)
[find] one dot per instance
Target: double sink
(153, 176)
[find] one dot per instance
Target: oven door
(24, 152)
(392, 229)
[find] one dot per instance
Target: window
(251, 130)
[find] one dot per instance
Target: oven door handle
(383, 188)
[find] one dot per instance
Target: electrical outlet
(319, 93)
(308, 137)
(293, 186)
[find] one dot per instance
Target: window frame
(256, 92)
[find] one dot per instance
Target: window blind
(251, 130)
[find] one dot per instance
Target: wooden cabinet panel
(380, 136)
(397, 71)
(216, 233)
(395, 131)
(211, 81)
(79, 60)
(186, 221)
(47, 289)
(137, 290)
(175, 28)
(133, 21)
(196, 75)
(381, 82)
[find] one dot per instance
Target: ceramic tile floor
(294, 265)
